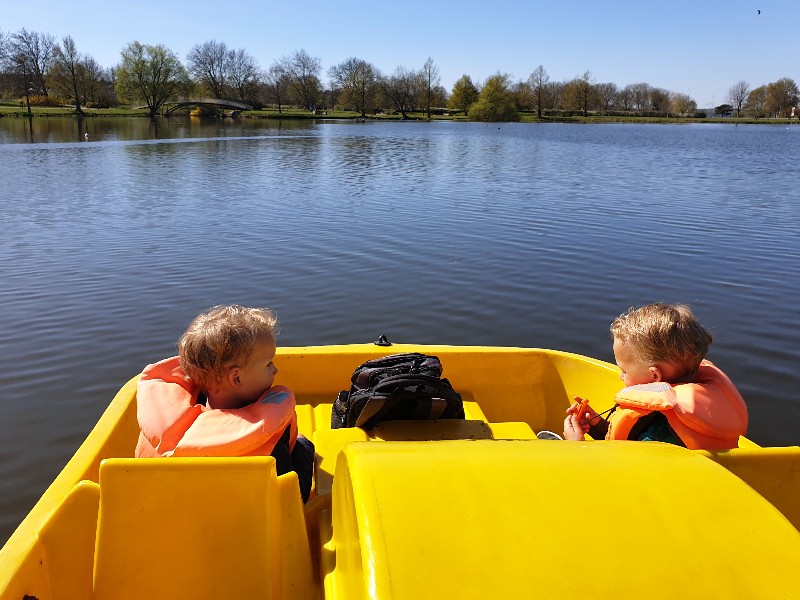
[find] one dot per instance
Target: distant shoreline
(295, 114)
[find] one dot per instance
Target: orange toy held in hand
(580, 410)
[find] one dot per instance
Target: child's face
(633, 371)
(257, 375)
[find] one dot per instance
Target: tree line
(36, 67)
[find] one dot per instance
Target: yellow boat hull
(461, 509)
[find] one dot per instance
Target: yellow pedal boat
(478, 508)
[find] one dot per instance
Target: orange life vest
(708, 413)
(173, 423)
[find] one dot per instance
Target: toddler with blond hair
(217, 398)
(672, 393)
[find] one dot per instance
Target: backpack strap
(404, 389)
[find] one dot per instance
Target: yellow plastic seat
(200, 528)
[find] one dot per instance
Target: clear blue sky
(699, 48)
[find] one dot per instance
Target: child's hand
(572, 428)
(579, 417)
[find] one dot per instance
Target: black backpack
(395, 387)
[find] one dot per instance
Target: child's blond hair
(220, 337)
(664, 333)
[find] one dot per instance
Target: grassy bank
(293, 113)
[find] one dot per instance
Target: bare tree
(357, 81)
(660, 100)
(585, 90)
(33, 55)
(243, 74)
(521, 95)
(3, 48)
(640, 96)
(737, 95)
(429, 81)
(68, 72)
(538, 82)
(209, 64)
(277, 81)
(625, 98)
(400, 89)
(303, 72)
(555, 90)
(607, 95)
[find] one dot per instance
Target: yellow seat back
(199, 528)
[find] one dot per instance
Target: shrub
(51, 101)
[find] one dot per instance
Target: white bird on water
(86, 136)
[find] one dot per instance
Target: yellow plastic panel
(59, 563)
(772, 472)
(198, 528)
(516, 519)
(113, 435)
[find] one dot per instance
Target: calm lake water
(455, 233)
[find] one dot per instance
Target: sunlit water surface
(454, 233)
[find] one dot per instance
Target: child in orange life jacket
(217, 397)
(672, 393)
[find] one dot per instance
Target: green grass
(14, 110)
(531, 118)
(69, 111)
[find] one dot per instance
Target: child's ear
(656, 373)
(233, 377)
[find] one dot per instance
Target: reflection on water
(458, 233)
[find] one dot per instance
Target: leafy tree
(400, 89)
(723, 109)
(439, 96)
(757, 101)
(682, 104)
(781, 97)
(464, 94)
(737, 95)
(579, 94)
(494, 102)
(303, 71)
(153, 74)
(358, 81)
(429, 82)
(538, 82)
